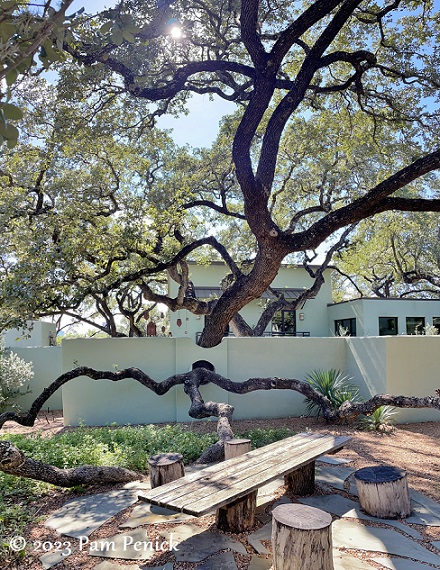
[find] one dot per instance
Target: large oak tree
(286, 65)
(280, 61)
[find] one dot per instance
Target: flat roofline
(383, 299)
(283, 265)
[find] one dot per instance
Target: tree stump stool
(383, 492)
(239, 515)
(236, 447)
(301, 538)
(164, 468)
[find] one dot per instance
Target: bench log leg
(302, 480)
(238, 516)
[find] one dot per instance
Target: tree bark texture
(301, 538)
(14, 462)
(199, 409)
(238, 516)
(165, 468)
(383, 492)
(302, 480)
(236, 447)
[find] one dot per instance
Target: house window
(414, 325)
(387, 326)
(345, 327)
(436, 323)
(284, 323)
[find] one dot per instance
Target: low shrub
(379, 420)
(333, 385)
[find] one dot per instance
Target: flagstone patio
(353, 530)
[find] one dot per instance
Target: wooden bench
(231, 486)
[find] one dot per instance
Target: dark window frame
(393, 331)
(349, 324)
(282, 330)
(411, 326)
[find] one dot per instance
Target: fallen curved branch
(199, 409)
(14, 462)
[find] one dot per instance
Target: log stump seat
(301, 538)
(164, 468)
(383, 492)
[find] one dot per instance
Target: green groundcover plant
(128, 446)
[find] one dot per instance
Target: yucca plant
(379, 420)
(332, 384)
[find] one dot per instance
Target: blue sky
(197, 129)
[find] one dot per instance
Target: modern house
(318, 317)
(309, 320)
(384, 317)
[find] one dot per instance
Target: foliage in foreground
(127, 447)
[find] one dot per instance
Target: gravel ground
(413, 447)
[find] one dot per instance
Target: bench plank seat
(220, 484)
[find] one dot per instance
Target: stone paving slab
(333, 476)
(53, 558)
(194, 544)
(402, 564)
(432, 506)
(258, 563)
(331, 460)
(134, 545)
(145, 513)
(137, 485)
(223, 561)
(168, 566)
(425, 510)
(436, 544)
(82, 516)
(343, 507)
(271, 488)
(113, 566)
(348, 534)
(255, 538)
(342, 561)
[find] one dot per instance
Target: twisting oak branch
(14, 462)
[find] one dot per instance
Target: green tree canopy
(337, 123)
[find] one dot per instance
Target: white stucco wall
(38, 333)
(47, 366)
(413, 369)
(393, 365)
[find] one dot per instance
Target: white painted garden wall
(47, 365)
(395, 365)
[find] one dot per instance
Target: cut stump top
(380, 474)
(165, 459)
(301, 517)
